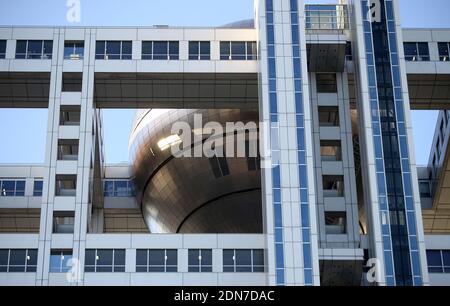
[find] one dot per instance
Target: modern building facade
(338, 199)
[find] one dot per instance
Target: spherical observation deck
(193, 194)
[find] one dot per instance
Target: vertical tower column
(68, 179)
(288, 181)
(391, 187)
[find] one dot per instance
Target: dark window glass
(109, 189)
(160, 50)
(446, 259)
(243, 261)
(89, 259)
(443, 51)
(205, 50)
(410, 51)
(238, 51)
(258, 261)
(74, 50)
(4, 260)
(141, 258)
(174, 50)
(194, 50)
(2, 48)
(156, 258)
(147, 50)
(434, 261)
(100, 50)
(17, 260)
(37, 188)
(21, 49)
(105, 257)
(251, 51)
(48, 49)
(126, 50)
(34, 50)
(326, 82)
(225, 50)
(20, 189)
(8, 188)
(113, 50)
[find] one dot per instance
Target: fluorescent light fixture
(169, 141)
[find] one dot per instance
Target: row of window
(16, 188)
(122, 50)
(147, 260)
(420, 52)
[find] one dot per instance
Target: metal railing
(327, 17)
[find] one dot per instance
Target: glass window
(335, 223)
(119, 260)
(200, 260)
(156, 260)
(174, 50)
(4, 256)
(434, 260)
(238, 50)
(160, 50)
(416, 51)
(225, 50)
(20, 189)
(89, 260)
(446, 261)
(74, 50)
(63, 222)
(66, 185)
(2, 48)
(443, 51)
(243, 260)
(21, 49)
(34, 50)
(59, 261)
(105, 260)
(31, 260)
(69, 115)
(424, 188)
(127, 50)
(333, 186)
(328, 116)
(113, 50)
(17, 260)
(48, 49)
(100, 50)
(330, 150)
(38, 186)
(199, 50)
(12, 188)
(326, 82)
(147, 50)
(141, 260)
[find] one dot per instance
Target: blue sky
(24, 131)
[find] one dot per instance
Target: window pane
(434, 258)
(67, 256)
(104, 257)
(193, 257)
(225, 50)
(147, 50)
(100, 50)
(89, 259)
(160, 51)
(251, 51)
(171, 257)
(443, 49)
(238, 50)
(48, 49)
(446, 258)
(113, 49)
(34, 49)
(32, 257)
(193, 50)
(206, 257)
(258, 258)
(174, 50)
(228, 257)
(141, 257)
(55, 262)
(20, 188)
(119, 257)
(8, 188)
(156, 258)
(109, 189)
(4, 257)
(37, 188)
(243, 257)
(21, 49)
(2, 48)
(126, 50)
(17, 257)
(205, 50)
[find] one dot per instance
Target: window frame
(38, 191)
(417, 55)
(227, 54)
(63, 267)
(242, 268)
(164, 267)
(104, 268)
(200, 266)
(15, 192)
(199, 55)
(105, 55)
(3, 46)
(27, 266)
(171, 53)
(43, 54)
(77, 50)
(445, 56)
